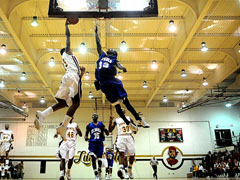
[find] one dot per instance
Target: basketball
(73, 20)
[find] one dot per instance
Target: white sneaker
(62, 131)
(38, 120)
(68, 174)
(126, 175)
(143, 123)
(96, 178)
(120, 173)
(110, 177)
(3, 172)
(130, 173)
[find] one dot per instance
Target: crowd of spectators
(14, 172)
(218, 164)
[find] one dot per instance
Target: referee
(154, 163)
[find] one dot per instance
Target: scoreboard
(170, 135)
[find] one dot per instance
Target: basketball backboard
(102, 8)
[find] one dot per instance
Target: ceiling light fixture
(205, 83)
(228, 105)
(183, 104)
(123, 46)
(154, 64)
(204, 47)
(119, 75)
(183, 73)
(2, 83)
(145, 84)
(90, 96)
(83, 48)
(165, 100)
(86, 76)
(23, 76)
(24, 106)
(51, 63)
(42, 100)
(34, 22)
(172, 28)
(3, 49)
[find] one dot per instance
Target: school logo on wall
(172, 157)
(84, 158)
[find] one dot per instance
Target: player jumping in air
(70, 88)
(112, 87)
(124, 143)
(95, 147)
(67, 148)
(6, 145)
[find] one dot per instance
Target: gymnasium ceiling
(29, 49)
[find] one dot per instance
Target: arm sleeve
(119, 65)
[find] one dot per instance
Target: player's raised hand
(86, 138)
(124, 70)
(82, 68)
(111, 118)
(67, 22)
(96, 29)
(56, 135)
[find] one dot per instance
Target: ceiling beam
(122, 62)
(162, 18)
(107, 35)
(24, 82)
(22, 48)
(57, 73)
(92, 72)
(117, 35)
(159, 18)
(182, 48)
(209, 61)
(25, 89)
(95, 49)
(13, 63)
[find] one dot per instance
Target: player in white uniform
(67, 148)
(6, 145)
(125, 142)
(70, 88)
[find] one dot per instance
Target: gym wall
(198, 133)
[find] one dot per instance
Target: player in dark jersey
(97, 130)
(110, 157)
(105, 72)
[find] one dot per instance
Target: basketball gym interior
(183, 76)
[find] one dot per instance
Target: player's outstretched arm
(98, 42)
(67, 33)
(87, 132)
(120, 66)
(111, 124)
(79, 132)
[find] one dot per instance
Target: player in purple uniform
(112, 87)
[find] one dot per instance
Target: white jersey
(71, 133)
(70, 63)
(6, 135)
(122, 127)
